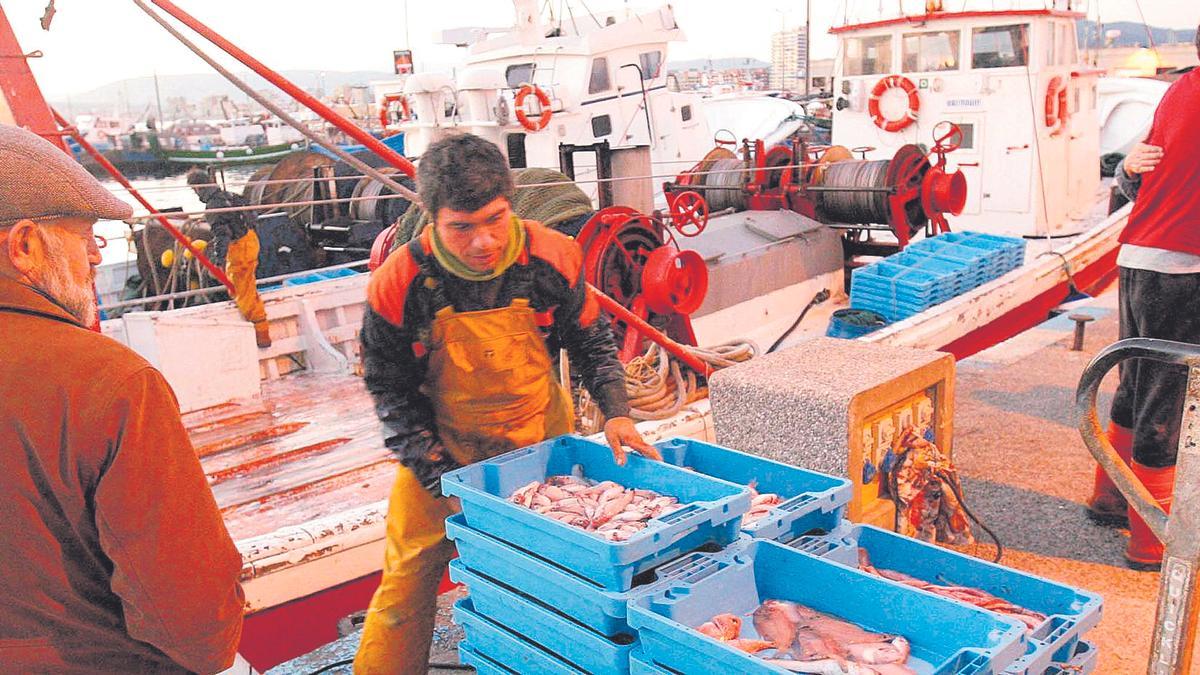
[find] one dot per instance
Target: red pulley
(943, 192)
(381, 248)
(674, 281)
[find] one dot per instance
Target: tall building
(787, 59)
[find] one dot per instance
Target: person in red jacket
(1159, 295)
(115, 558)
(457, 341)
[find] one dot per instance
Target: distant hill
(138, 93)
(717, 64)
(1132, 34)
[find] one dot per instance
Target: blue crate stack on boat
(546, 597)
(932, 271)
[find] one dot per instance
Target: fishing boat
(288, 435)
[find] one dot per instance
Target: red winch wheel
(881, 87)
(674, 281)
(947, 137)
(524, 116)
(381, 248)
(689, 213)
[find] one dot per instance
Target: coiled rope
(659, 387)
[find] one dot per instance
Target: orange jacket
(114, 555)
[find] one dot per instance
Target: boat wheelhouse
(1012, 80)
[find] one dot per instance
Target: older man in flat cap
(114, 556)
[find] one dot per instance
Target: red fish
(776, 622)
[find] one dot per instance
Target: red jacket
(114, 557)
(1166, 214)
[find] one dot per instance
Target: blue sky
(94, 42)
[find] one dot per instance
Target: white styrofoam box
(207, 361)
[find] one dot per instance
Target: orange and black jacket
(227, 227)
(410, 287)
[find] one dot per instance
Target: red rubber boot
(1145, 551)
(1107, 505)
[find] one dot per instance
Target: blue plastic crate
(904, 283)
(640, 665)
(600, 610)
(956, 273)
(320, 276)
(1009, 248)
(981, 260)
(536, 623)
(1082, 662)
(502, 648)
(1070, 612)
(710, 510)
(482, 664)
(890, 308)
(946, 636)
(812, 501)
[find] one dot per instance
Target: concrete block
(813, 405)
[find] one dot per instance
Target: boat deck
(309, 448)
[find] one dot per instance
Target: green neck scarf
(516, 244)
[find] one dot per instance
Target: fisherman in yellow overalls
(234, 243)
(456, 346)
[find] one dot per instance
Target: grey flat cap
(38, 180)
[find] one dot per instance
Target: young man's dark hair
(462, 173)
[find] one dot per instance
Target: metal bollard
(1081, 321)
(1175, 620)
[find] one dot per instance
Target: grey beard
(55, 281)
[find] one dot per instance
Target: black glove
(428, 459)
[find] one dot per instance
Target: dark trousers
(1149, 399)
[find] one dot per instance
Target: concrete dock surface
(1026, 474)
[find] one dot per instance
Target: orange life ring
(385, 117)
(543, 117)
(1057, 112)
(914, 103)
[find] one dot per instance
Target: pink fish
(776, 622)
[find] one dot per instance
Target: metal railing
(1175, 620)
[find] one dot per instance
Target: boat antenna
(1149, 33)
(590, 13)
(574, 26)
(280, 112)
(1037, 146)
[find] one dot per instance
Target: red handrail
(309, 101)
(113, 171)
(658, 337)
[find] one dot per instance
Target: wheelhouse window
(516, 150)
(601, 126)
(600, 81)
(929, 52)
(651, 63)
(869, 55)
(1000, 46)
(518, 74)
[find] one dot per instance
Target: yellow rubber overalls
(241, 262)
(493, 389)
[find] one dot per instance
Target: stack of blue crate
(546, 597)
(932, 271)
